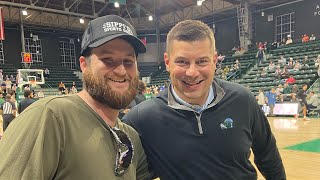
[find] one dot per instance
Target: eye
(202, 62)
(128, 63)
(181, 62)
(109, 62)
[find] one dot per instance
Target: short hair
(312, 92)
(27, 93)
(8, 96)
(189, 31)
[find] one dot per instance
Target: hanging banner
(1, 24)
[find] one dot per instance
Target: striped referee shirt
(7, 107)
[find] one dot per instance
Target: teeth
(119, 81)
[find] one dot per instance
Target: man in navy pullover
(202, 128)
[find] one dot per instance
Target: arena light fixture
(116, 4)
(24, 12)
(81, 21)
(199, 2)
(150, 18)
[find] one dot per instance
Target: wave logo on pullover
(227, 124)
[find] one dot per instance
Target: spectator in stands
(226, 70)
(8, 111)
(297, 66)
(291, 80)
(40, 94)
(317, 61)
(271, 66)
(305, 38)
(271, 100)
(237, 65)
(312, 101)
(277, 73)
(279, 92)
(12, 79)
(305, 61)
(27, 87)
(27, 101)
(261, 98)
(290, 64)
(80, 136)
(263, 72)
(286, 88)
(285, 72)
(260, 56)
(295, 89)
(148, 95)
(282, 61)
(8, 85)
(14, 88)
(274, 45)
(206, 149)
(3, 87)
(312, 37)
(283, 42)
(289, 40)
(46, 73)
(302, 95)
(61, 88)
(221, 58)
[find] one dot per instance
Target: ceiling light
(150, 18)
(199, 2)
(81, 20)
(116, 4)
(24, 12)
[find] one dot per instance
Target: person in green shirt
(79, 136)
(148, 94)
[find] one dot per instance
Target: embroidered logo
(116, 26)
(227, 124)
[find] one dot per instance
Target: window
(285, 26)
(33, 46)
(67, 54)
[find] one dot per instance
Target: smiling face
(110, 74)
(191, 66)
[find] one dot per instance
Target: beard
(99, 89)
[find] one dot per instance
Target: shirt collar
(197, 108)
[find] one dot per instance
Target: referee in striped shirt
(8, 111)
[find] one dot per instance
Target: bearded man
(79, 136)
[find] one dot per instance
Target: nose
(120, 70)
(192, 71)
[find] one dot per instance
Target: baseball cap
(106, 28)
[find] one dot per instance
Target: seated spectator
(295, 89)
(297, 66)
(263, 72)
(286, 88)
(282, 60)
(40, 94)
(283, 42)
(274, 45)
(279, 90)
(289, 41)
(221, 58)
(317, 61)
(312, 38)
(46, 73)
(226, 70)
(285, 72)
(271, 66)
(291, 80)
(277, 73)
(305, 38)
(237, 65)
(290, 64)
(312, 101)
(61, 88)
(305, 61)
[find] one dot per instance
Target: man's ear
(83, 63)
(166, 61)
